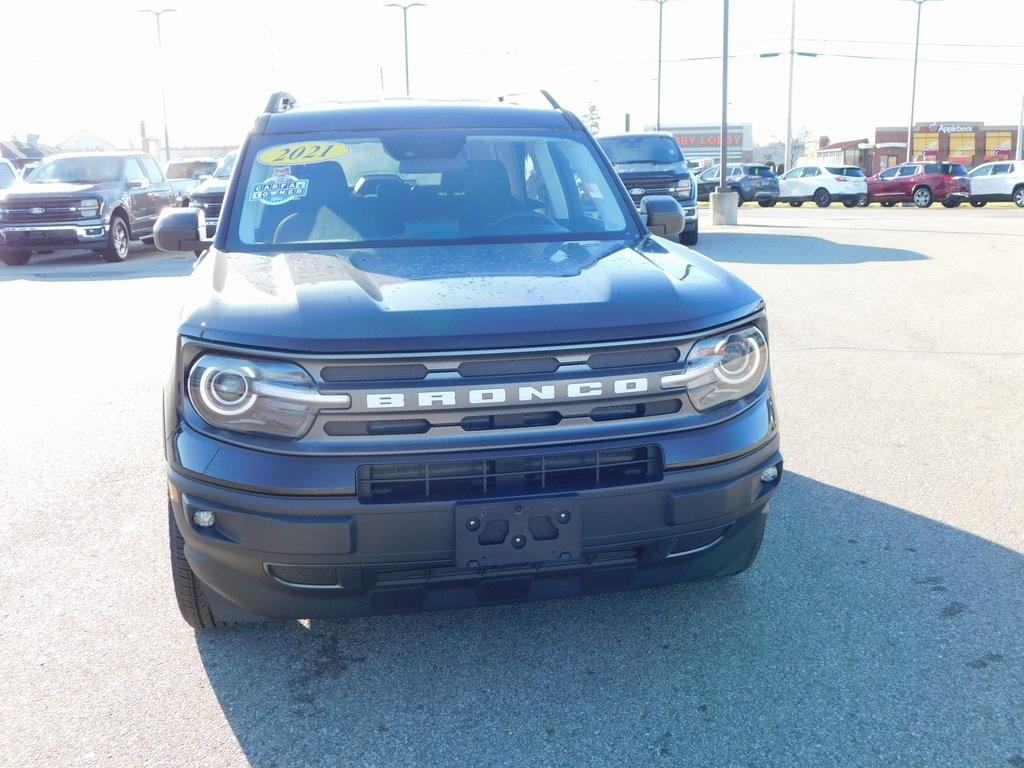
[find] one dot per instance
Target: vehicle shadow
(64, 266)
(864, 635)
(771, 248)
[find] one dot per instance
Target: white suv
(823, 184)
(999, 180)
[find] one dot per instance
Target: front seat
(488, 196)
(327, 191)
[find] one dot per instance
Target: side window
(908, 170)
(981, 170)
(933, 168)
(811, 172)
(6, 176)
(736, 172)
(889, 173)
(133, 171)
(152, 170)
(1001, 168)
(793, 174)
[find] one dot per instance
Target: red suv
(922, 183)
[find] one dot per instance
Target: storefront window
(961, 145)
(926, 146)
(998, 145)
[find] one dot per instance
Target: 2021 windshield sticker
(302, 153)
(280, 188)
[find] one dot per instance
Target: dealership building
(702, 143)
(964, 142)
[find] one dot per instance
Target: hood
(678, 167)
(211, 186)
(460, 297)
(56, 189)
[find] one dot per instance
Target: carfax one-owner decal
(280, 188)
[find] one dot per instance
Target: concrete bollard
(724, 207)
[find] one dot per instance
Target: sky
(100, 69)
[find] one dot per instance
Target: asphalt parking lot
(883, 624)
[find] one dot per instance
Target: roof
(635, 134)
(385, 115)
(104, 153)
(852, 144)
(21, 150)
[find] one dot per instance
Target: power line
(904, 42)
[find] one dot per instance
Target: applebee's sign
(951, 128)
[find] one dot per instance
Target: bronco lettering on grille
(474, 397)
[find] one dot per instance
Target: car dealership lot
(882, 624)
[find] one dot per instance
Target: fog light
(770, 475)
(204, 518)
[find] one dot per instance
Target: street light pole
(724, 139)
(661, 18)
(913, 86)
(405, 33)
(788, 155)
(163, 78)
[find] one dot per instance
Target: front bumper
(79, 234)
(290, 540)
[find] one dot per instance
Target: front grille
(517, 476)
(211, 204)
(652, 183)
(19, 210)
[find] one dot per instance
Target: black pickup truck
(434, 356)
(652, 163)
(97, 201)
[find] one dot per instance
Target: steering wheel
(525, 216)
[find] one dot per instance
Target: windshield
(191, 169)
(227, 163)
(422, 187)
(78, 170)
(641, 149)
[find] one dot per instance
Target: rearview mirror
(663, 214)
(181, 229)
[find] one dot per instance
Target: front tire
(1018, 196)
(887, 203)
(689, 238)
(822, 198)
(795, 203)
(766, 203)
(849, 203)
(16, 258)
(979, 203)
(117, 240)
(188, 589)
(923, 197)
(950, 203)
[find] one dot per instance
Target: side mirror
(181, 229)
(663, 214)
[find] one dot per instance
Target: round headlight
(227, 391)
(740, 359)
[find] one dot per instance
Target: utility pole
(405, 33)
(163, 76)
(913, 86)
(1020, 131)
(788, 155)
(661, 18)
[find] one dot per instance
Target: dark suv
(208, 195)
(98, 201)
(753, 182)
(436, 357)
(653, 164)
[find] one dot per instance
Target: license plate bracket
(518, 531)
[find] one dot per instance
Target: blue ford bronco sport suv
(435, 357)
